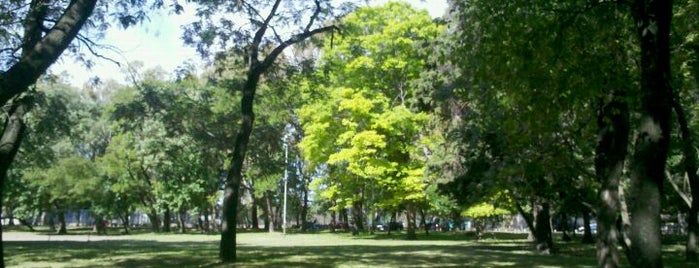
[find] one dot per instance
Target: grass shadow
(304, 251)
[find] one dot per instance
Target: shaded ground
(294, 250)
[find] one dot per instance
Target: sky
(158, 43)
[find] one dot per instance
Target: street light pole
(286, 175)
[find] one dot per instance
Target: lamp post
(286, 176)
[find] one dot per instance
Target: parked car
(393, 226)
(593, 228)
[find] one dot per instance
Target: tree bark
(304, 206)
(333, 219)
(529, 219)
(565, 227)
(542, 224)
(423, 220)
(207, 224)
(253, 212)
(690, 165)
(587, 233)
(410, 216)
(652, 19)
(167, 220)
(125, 221)
(269, 222)
(154, 220)
(610, 154)
(182, 219)
(357, 217)
(62, 223)
(13, 133)
(39, 53)
(98, 226)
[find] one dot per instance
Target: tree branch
(89, 43)
(255, 46)
(36, 61)
(293, 40)
(687, 199)
(313, 17)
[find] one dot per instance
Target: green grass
(302, 250)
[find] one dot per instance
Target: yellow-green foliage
(484, 210)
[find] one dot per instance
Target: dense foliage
(382, 115)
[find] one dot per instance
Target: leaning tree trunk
(529, 219)
(256, 67)
(610, 153)
(690, 165)
(41, 47)
(653, 19)
(125, 221)
(12, 135)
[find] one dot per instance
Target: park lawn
(302, 250)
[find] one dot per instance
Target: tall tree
(361, 119)
(262, 43)
(652, 20)
(36, 33)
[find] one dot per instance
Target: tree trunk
(126, 223)
(610, 153)
(253, 212)
(182, 217)
(25, 223)
(40, 51)
(529, 219)
(423, 220)
(692, 230)
(565, 227)
(304, 206)
(587, 233)
(542, 223)
(652, 19)
(154, 220)
(333, 220)
(227, 250)
(167, 220)
(410, 217)
(215, 215)
(270, 212)
(207, 221)
(390, 220)
(62, 223)
(357, 217)
(98, 226)
(690, 165)
(12, 135)
(345, 219)
(200, 222)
